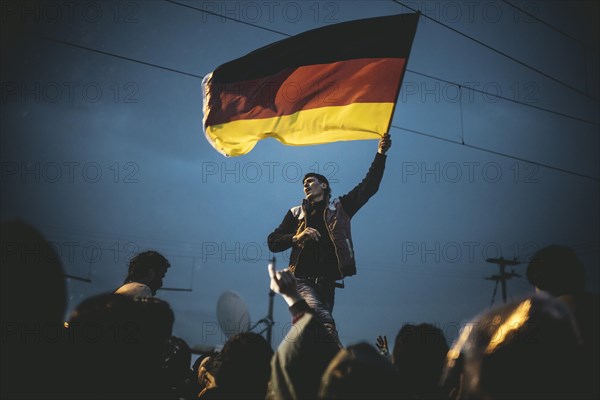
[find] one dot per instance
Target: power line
(462, 125)
(577, 248)
(425, 269)
(543, 22)
(168, 247)
(116, 236)
(497, 96)
(508, 56)
(566, 171)
(226, 17)
(106, 53)
(171, 256)
(584, 47)
(408, 70)
(395, 126)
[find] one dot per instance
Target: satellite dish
(232, 314)
(203, 349)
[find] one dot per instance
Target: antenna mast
(268, 320)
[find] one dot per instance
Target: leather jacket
(337, 220)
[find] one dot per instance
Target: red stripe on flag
(304, 88)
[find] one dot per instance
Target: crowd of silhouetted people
(120, 344)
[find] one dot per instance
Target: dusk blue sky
(103, 151)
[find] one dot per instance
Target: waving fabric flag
(334, 83)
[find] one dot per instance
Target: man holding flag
(335, 83)
(318, 231)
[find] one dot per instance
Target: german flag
(334, 83)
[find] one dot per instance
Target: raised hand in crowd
(382, 345)
(284, 283)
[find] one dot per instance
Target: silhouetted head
(119, 345)
(419, 355)
(556, 270)
(32, 280)
(526, 349)
(148, 267)
(33, 300)
(244, 366)
(359, 372)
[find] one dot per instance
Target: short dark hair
(359, 372)
(419, 354)
(244, 366)
(321, 179)
(557, 270)
(141, 264)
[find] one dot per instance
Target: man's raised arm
(358, 197)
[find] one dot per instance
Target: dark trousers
(321, 298)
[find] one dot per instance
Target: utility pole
(502, 276)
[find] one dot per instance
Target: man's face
(156, 279)
(313, 189)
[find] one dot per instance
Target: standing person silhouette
(319, 233)
(145, 274)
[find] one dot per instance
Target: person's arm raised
(358, 197)
(284, 283)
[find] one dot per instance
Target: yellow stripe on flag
(357, 121)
